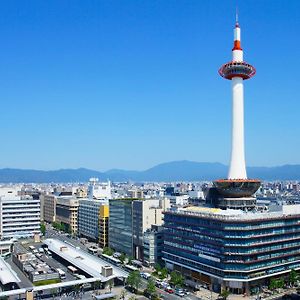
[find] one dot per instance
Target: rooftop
(86, 262)
(276, 211)
(7, 275)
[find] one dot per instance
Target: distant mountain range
(171, 171)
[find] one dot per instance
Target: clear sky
(130, 84)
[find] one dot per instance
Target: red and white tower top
(237, 67)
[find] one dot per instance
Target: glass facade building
(232, 249)
(120, 226)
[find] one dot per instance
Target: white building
(99, 190)
(19, 215)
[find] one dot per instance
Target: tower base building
(232, 249)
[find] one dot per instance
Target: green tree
(122, 258)
(53, 292)
(151, 287)
(130, 259)
(134, 280)
(163, 273)
(123, 294)
(273, 284)
(97, 285)
(293, 276)
(111, 285)
(108, 251)
(43, 228)
(224, 294)
(177, 279)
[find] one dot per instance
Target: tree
(163, 273)
(123, 294)
(160, 272)
(130, 259)
(43, 228)
(224, 294)
(111, 285)
(108, 251)
(122, 258)
(151, 287)
(293, 276)
(53, 292)
(177, 279)
(97, 285)
(134, 280)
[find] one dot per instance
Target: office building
(153, 246)
(93, 220)
(49, 203)
(67, 212)
(129, 219)
(19, 215)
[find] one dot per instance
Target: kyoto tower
(237, 191)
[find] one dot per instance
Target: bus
(111, 259)
(72, 270)
(62, 274)
(31, 248)
(130, 268)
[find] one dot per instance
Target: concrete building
(129, 219)
(49, 203)
(67, 212)
(99, 190)
(93, 220)
(19, 215)
(153, 246)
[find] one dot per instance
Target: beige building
(67, 212)
(49, 207)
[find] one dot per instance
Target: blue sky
(130, 84)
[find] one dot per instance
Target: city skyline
(131, 85)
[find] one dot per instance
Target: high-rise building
(129, 219)
(19, 215)
(120, 226)
(93, 220)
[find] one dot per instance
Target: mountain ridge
(182, 170)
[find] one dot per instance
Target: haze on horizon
(131, 84)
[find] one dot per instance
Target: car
(179, 292)
(169, 290)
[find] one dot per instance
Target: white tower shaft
(237, 168)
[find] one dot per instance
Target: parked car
(179, 292)
(169, 290)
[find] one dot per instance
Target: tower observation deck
(237, 190)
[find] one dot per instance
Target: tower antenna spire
(236, 15)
